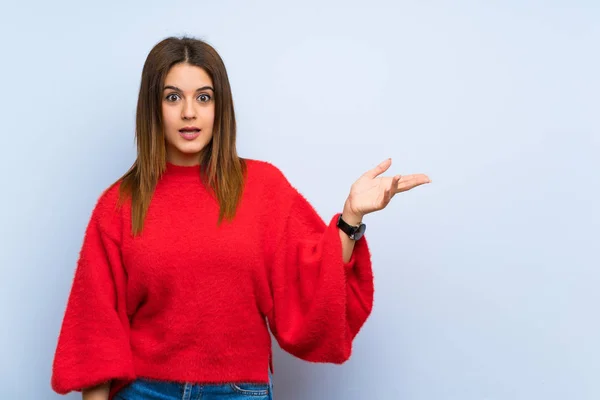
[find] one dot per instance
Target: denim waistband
(151, 389)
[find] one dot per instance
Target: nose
(188, 111)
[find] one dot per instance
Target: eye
(171, 96)
(204, 97)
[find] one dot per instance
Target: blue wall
(486, 280)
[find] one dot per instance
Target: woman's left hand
(373, 193)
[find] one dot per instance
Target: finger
(378, 170)
(411, 181)
(418, 177)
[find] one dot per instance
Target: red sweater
(189, 301)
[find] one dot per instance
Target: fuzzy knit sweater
(190, 301)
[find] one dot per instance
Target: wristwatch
(354, 232)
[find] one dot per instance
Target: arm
(348, 244)
(93, 342)
(371, 193)
(99, 392)
(321, 281)
(318, 301)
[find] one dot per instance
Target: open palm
(373, 193)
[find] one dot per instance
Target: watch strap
(353, 232)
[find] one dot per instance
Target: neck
(176, 157)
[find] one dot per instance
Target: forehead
(187, 77)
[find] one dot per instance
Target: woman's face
(188, 111)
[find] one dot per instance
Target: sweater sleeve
(319, 303)
(93, 344)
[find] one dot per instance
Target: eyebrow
(197, 90)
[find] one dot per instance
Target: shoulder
(279, 198)
(107, 211)
(267, 174)
(268, 184)
(107, 200)
(265, 169)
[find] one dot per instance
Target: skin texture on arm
(99, 392)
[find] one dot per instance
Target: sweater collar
(181, 170)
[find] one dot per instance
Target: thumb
(378, 170)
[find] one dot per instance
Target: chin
(187, 150)
(190, 147)
(190, 150)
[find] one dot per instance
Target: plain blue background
(486, 280)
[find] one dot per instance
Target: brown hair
(221, 169)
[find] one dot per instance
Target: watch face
(360, 231)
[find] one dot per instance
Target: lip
(189, 135)
(189, 129)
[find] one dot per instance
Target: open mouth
(190, 132)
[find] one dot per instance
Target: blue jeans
(148, 389)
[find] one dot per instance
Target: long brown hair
(221, 169)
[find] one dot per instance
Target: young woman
(195, 253)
